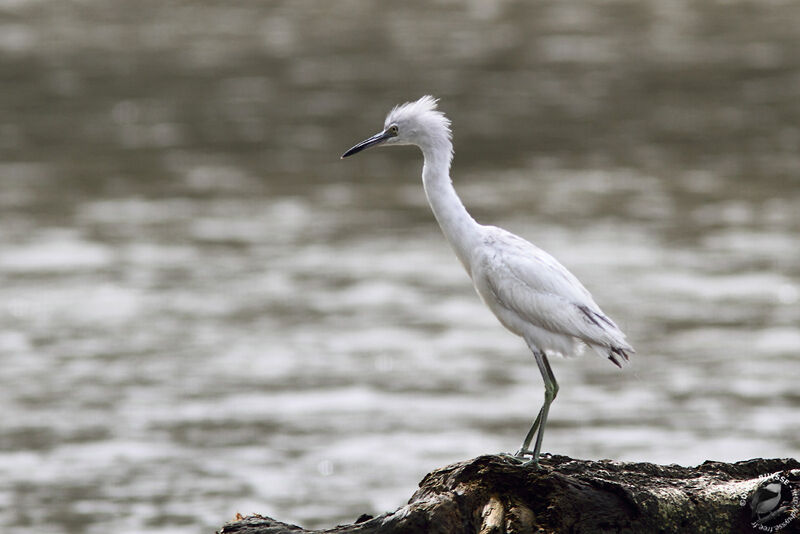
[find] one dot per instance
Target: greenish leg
(550, 392)
(529, 437)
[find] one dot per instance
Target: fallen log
(494, 495)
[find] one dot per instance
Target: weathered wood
(492, 495)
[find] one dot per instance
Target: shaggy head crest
(417, 123)
(421, 123)
(422, 111)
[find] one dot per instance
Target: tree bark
(495, 495)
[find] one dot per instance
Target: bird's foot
(523, 458)
(512, 458)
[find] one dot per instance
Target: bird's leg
(529, 436)
(550, 392)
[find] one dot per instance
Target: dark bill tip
(363, 145)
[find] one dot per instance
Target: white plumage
(531, 293)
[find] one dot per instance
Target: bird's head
(413, 123)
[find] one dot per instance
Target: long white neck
(458, 226)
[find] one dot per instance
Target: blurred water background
(204, 311)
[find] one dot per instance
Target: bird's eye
(393, 129)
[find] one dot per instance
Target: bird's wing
(530, 282)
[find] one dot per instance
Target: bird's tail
(617, 355)
(617, 351)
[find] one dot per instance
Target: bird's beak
(372, 141)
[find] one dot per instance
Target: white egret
(531, 294)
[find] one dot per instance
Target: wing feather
(534, 285)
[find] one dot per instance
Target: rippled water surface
(203, 311)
